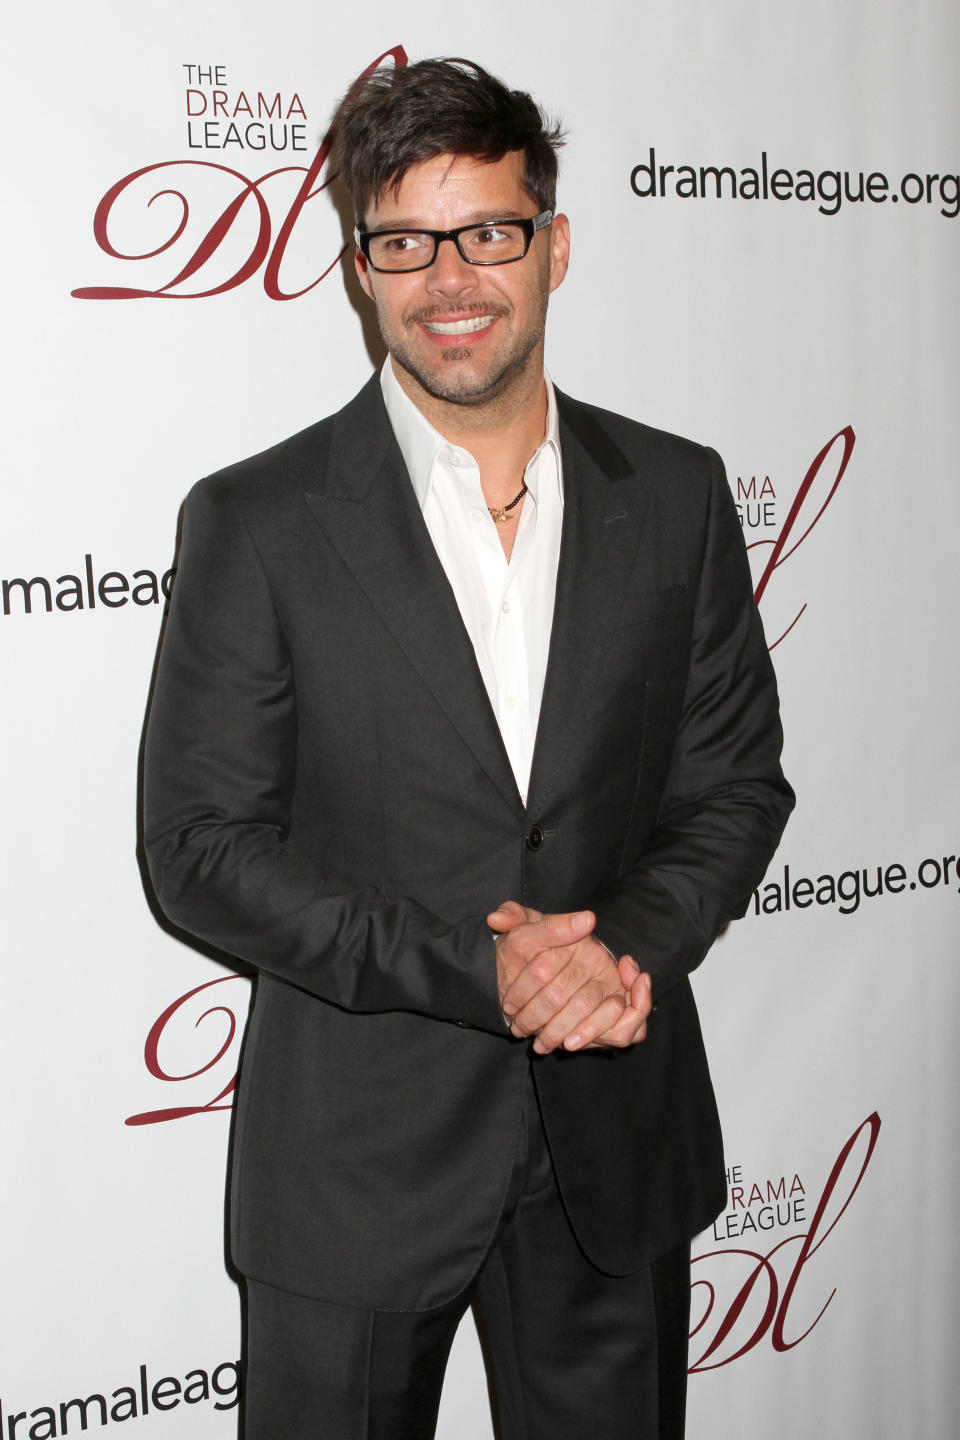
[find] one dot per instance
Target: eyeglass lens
(479, 245)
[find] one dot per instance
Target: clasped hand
(562, 986)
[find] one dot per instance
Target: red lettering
(179, 1011)
(753, 1310)
(204, 250)
(762, 1267)
(249, 195)
(779, 552)
(271, 276)
(813, 1239)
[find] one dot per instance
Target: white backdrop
(825, 1297)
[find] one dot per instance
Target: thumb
(629, 970)
(641, 993)
(508, 915)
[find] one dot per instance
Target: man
(466, 735)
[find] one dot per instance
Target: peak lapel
(368, 511)
(602, 524)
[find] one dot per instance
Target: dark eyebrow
(478, 217)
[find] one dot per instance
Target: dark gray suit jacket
(327, 796)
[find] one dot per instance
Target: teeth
(459, 327)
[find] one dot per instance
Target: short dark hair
(398, 116)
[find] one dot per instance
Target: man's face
(429, 318)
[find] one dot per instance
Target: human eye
(399, 249)
(492, 243)
(488, 237)
(406, 244)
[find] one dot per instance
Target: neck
(501, 432)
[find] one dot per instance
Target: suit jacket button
(535, 838)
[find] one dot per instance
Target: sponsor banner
(828, 190)
(244, 208)
(800, 318)
(84, 590)
(761, 1284)
(219, 1388)
(782, 891)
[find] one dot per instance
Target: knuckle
(541, 968)
(554, 995)
(581, 1005)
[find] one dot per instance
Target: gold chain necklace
(501, 512)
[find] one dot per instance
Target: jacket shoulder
(299, 462)
(626, 446)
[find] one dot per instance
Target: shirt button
(535, 838)
(510, 702)
(505, 607)
(476, 516)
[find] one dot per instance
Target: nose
(450, 274)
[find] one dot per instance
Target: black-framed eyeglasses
(495, 242)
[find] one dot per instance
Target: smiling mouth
(459, 327)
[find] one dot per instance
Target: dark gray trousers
(571, 1353)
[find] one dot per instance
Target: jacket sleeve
(725, 801)
(219, 764)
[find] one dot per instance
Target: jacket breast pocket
(646, 607)
(651, 644)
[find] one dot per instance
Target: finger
(629, 1030)
(509, 914)
(617, 1038)
(510, 918)
(566, 1002)
(580, 981)
(562, 928)
(550, 977)
(533, 955)
(540, 932)
(575, 1025)
(540, 988)
(628, 970)
(641, 994)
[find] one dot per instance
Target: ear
(559, 249)
(363, 272)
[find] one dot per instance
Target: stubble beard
(448, 383)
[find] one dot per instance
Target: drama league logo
(193, 228)
(195, 1042)
(753, 1290)
(756, 506)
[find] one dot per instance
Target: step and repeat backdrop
(765, 206)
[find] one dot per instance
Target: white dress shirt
(506, 606)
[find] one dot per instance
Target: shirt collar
(421, 445)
